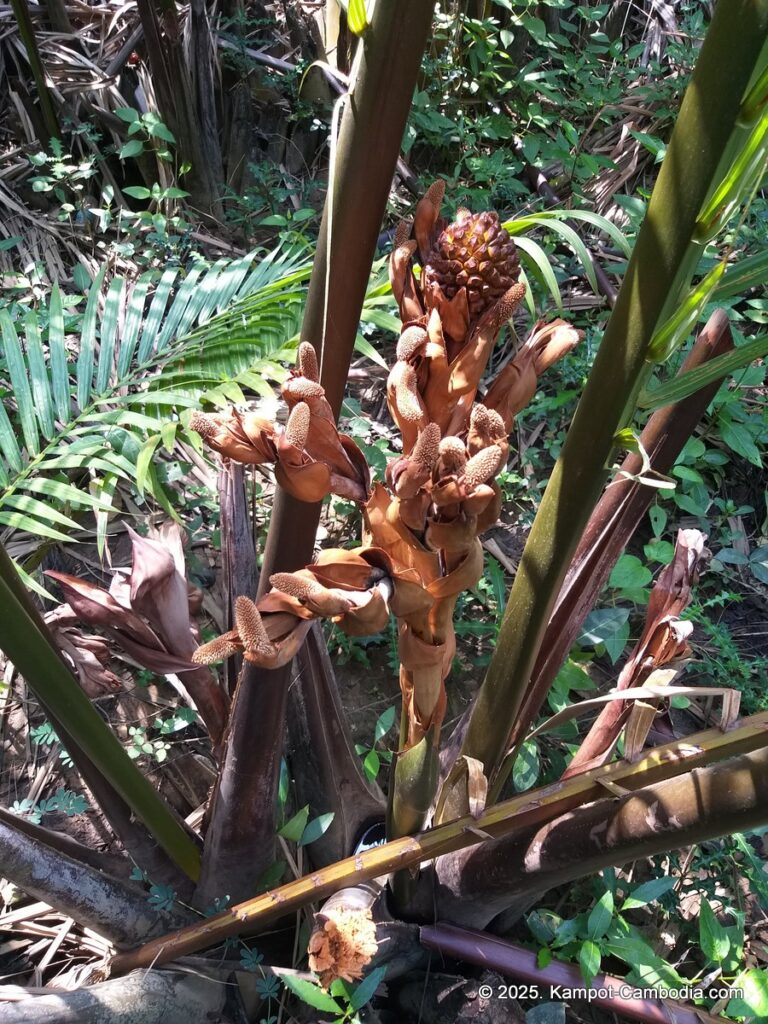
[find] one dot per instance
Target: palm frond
(71, 427)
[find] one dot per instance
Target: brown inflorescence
(422, 523)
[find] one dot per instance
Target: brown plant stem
(473, 886)
(240, 841)
(613, 522)
(367, 148)
(113, 908)
(327, 773)
(485, 950)
(512, 816)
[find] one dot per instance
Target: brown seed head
(204, 425)
(297, 427)
(483, 466)
(426, 449)
(407, 395)
(453, 456)
(476, 253)
(411, 340)
(220, 649)
(303, 389)
(251, 629)
(307, 361)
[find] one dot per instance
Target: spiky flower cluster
(422, 523)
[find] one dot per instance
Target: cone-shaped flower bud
(483, 466)
(407, 475)
(307, 361)
(476, 254)
(253, 636)
(453, 457)
(297, 427)
(318, 599)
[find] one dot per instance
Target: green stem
(660, 267)
(27, 33)
(28, 645)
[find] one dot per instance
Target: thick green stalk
(659, 270)
(30, 648)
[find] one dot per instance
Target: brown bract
(664, 641)
(311, 458)
(154, 591)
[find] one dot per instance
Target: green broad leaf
(671, 335)
(371, 765)
(133, 147)
(685, 384)
(540, 264)
(160, 131)
(543, 958)
(36, 526)
(31, 583)
(58, 355)
(648, 892)
(754, 1001)
(168, 434)
(629, 573)
(108, 332)
(316, 828)
(22, 393)
(740, 440)
(311, 994)
(357, 18)
(133, 315)
(658, 518)
(65, 493)
(293, 829)
(384, 723)
(602, 625)
(9, 445)
(740, 277)
(365, 348)
(88, 341)
(42, 510)
(367, 987)
(572, 677)
(600, 916)
(144, 460)
(590, 959)
(38, 374)
(758, 563)
(526, 768)
(127, 114)
(713, 938)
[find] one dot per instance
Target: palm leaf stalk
(612, 523)
(366, 151)
(658, 274)
(27, 643)
(27, 33)
(536, 809)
